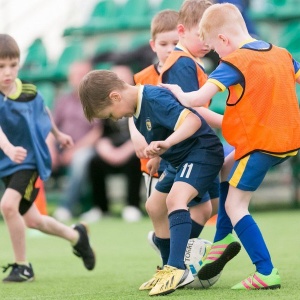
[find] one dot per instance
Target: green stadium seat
(48, 91)
(170, 4)
(135, 14)
(139, 40)
(35, 61)
(289, 38)
(104, 17)
(58, 71)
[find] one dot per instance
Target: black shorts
(23, 182)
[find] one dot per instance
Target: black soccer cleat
(19, 273)
(83, 248)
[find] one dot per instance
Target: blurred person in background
(69, 117)
(115, 155)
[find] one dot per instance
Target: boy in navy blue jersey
(177, 134)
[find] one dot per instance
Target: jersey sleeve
(224, 76)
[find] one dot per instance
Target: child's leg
(49, 225)
(157, 211)
(247, 230)
(77, 234)
(200, 214)
(15, 224)
(224, 226)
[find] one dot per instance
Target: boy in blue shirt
(173, 132)
(24, 156)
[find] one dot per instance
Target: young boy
(261, 121)
(164, 38)
(175, 133)
(24, 156)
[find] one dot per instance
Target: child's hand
(64, 140)
(16, 154)
(156, 148)
(176, 90)
(153, 165)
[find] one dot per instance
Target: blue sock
(196, 229)
(180, 230)
(252, 240)
(164, 246)
(224, 226)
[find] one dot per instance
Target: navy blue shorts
(203, 177)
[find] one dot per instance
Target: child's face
(9, 68)
(117, 110)
(163, 44)
(189, 38)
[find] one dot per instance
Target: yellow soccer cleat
(172, 279)
(153, 281)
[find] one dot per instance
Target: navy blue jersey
(159, 114)
(26, 123)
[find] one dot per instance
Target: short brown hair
(8, 47)
(94, 90)
(164, 21)
(191, 12)
(227, 19)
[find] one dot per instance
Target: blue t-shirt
(158, 116)
(26, 123)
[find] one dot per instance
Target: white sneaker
(93, 215)
(62, 214)
(150, 239)
(131, 214)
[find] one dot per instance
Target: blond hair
(8, 47)
(191, 12)
(221, 18)
(95, 89)
(164, 21)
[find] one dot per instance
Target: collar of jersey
(247, 41)
(139, 100)
(18, 91)
(197, 59)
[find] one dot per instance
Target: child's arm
(64, 139)
(196, 98)
(188, 127)
(212, 118)
(16, 153)
(139, 142)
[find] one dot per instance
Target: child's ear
(152, 45)
(180, 29)
(115, 96)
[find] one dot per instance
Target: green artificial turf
(125, 260)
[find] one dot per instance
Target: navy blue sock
(224, 226)
(196, 229)
(164, 246)
(252, 240)
(180, 230)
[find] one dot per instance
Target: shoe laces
(13, 266)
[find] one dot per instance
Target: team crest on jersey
(148, 124)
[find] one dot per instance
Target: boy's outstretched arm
(64, 139)
(186, 129)
(16, 153)
(196, 98)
